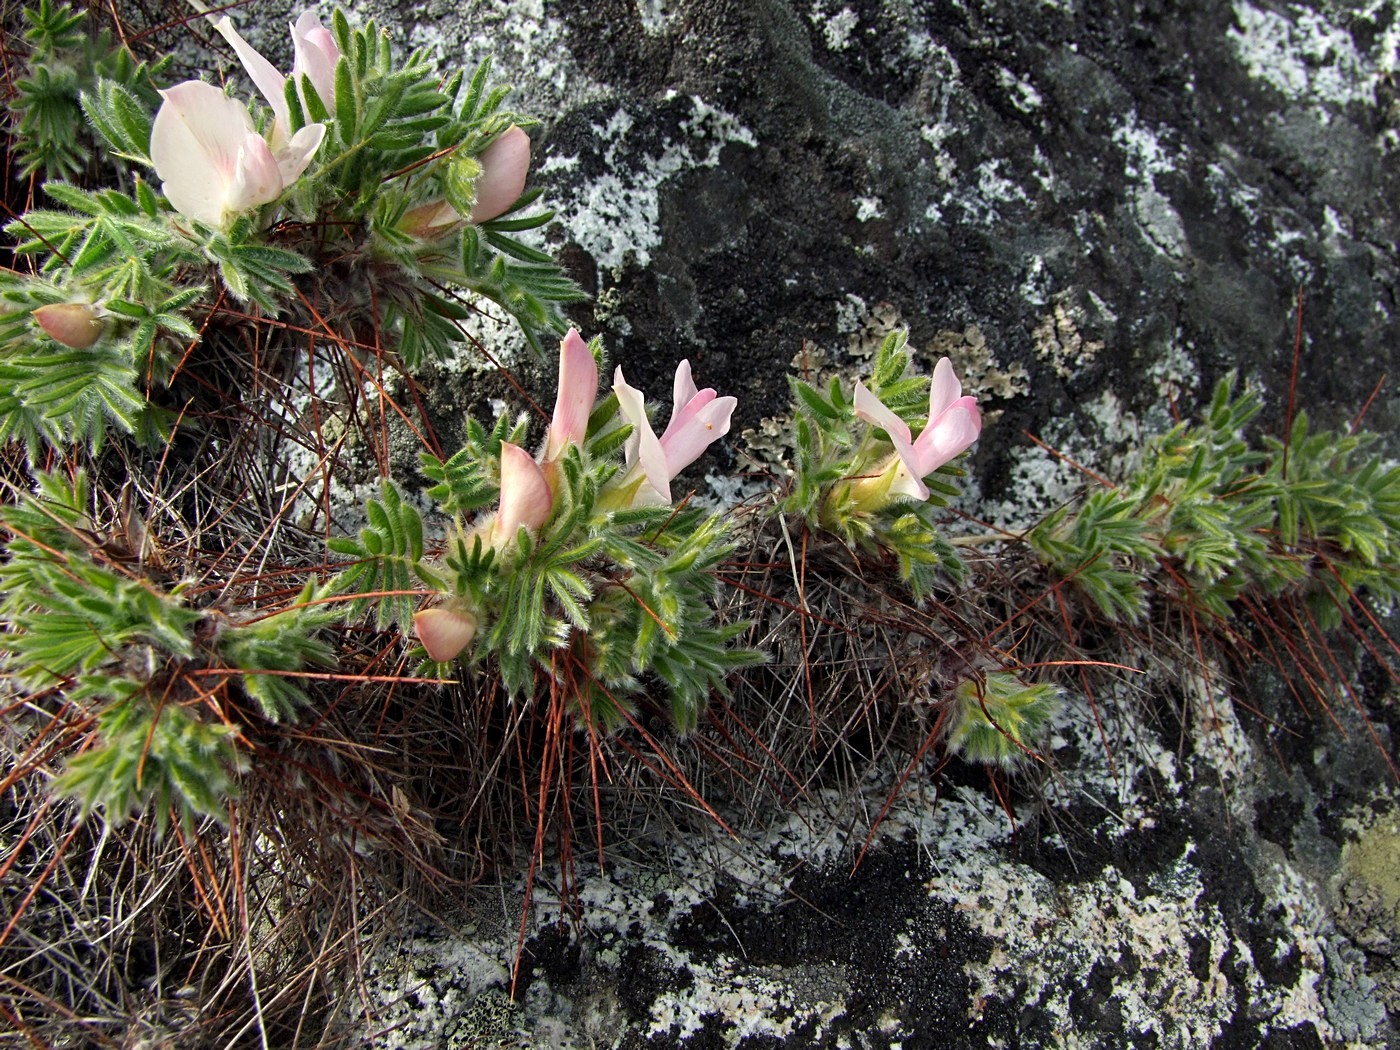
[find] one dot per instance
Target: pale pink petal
(294, 158)
(525, 496)
(871, 409)
(706, 420)
(644, 451)
(316, 56)
(196, 141)
(578, 387)
(909, 479)
(504, 165)
(265, 78)
(682, 412)
(256, 178)
(77, 325)
(945, 388)
(444, 633)
(906, 484)
(683, 389)
(948, 436)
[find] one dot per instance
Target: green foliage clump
(63, 62)
(602, 599)
(997, 718)
(91, 635)
(838, 457)
(1217, 516)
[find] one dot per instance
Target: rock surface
(1097, 207)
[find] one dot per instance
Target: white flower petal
(256, 178)
(683, 388)
(196, 140)
(944, 389)
(644, 449)
(316, 56)
(265, 78)
(294, 158)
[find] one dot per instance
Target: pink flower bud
(504, 165)
(444, 632)
(428, 222)
(73, 324)
(578, 388)
(525, 496)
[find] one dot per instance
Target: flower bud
(504, 165)
(73, 324)
(428, 222)
(444, 632)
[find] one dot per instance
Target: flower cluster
(878, 485)
(365, 187)
(215, 166)
(954, 423)
(530, 486)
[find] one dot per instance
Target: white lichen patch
(868, 208)
(657, 16)
(1023, 94)
(616, 218)
(424, 989)
(1220, 739)
(1036, 282)
(984, 199)
(836, 25)
(527, 45)
(756, 1003)
(1159, 222)
(1145, 154)
(1303, 55)
(1107, 920)
(944, 164)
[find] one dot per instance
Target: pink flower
(444, 632)
(316, 55)
(698, 418)
(525, 496)
(504, 165)
(953, 425)
(212, 164)
(578, 387)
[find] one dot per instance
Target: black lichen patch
(647, 975)
(1079, 844)
(553, 954)
(905, 956)
(1276, 816)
